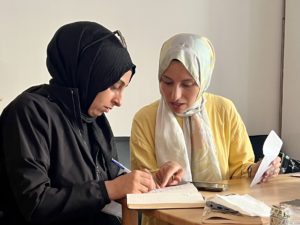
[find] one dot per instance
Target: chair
(123, 150)
(257, 142)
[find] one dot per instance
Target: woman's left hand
(273, 170)
(170, 173)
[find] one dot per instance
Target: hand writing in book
(170, 173)
(272, 171)
(134, 182)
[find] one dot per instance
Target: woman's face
(178, 87)
(112, 96)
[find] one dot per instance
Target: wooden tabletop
(278, 189)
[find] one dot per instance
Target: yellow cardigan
(234, 150)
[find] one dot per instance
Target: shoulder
(222, 111)
(219, 103)
(26, 104)
(147, 112)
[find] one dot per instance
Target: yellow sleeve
(235, 151)
(241, 151)
(142, 139)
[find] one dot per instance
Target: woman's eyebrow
(166, 76)
(189, 80)
(122, 83)
(185, 80)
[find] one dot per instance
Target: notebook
(236, 209)
(179, 196)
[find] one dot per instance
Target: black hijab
(76, 60)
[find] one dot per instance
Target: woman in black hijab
(56, 143)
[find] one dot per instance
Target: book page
(179, 196)
(113, 208)
(295, 175)
(215, 216)
(244, 204)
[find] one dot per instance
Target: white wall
(246, 35)
(291, 90)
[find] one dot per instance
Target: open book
(238, 209)
(179, 196)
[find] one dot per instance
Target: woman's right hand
(135, 182)
(170, 173)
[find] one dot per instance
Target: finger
(167, 180)
(145, 186)
(150, 184)
(269, 172)
(164, 176)
(145, 179)
(276, 163)
(276, 171)
(153, 178)
(147, 176)
(176, 177)
(143, 189)
(156, 181)
(175, 181)
(179, 175)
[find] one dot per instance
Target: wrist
(111, 190)
(250, 170)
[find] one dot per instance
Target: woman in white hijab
(201, 131)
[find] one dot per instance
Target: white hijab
(196, 53)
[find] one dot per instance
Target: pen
(120, 165)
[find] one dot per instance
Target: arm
(241, 154)
(241, 149)
(26, 141)
(34, 166)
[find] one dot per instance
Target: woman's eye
(117, 85)
(166, 81)
(188, 84)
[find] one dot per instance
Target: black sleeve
(25, 144)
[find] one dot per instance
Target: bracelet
(250, 171)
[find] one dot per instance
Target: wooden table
(278, 189)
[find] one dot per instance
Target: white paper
(244, 204)
(295, 175)
(113, 208)
(271, 149)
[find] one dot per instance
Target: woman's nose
(175, 93)
(117, 100)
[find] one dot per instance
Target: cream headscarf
(193, 146)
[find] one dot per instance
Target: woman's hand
(272, 171)
(135, 182)
(170, 173)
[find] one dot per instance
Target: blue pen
(120, 165)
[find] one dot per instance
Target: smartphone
(207, 186)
